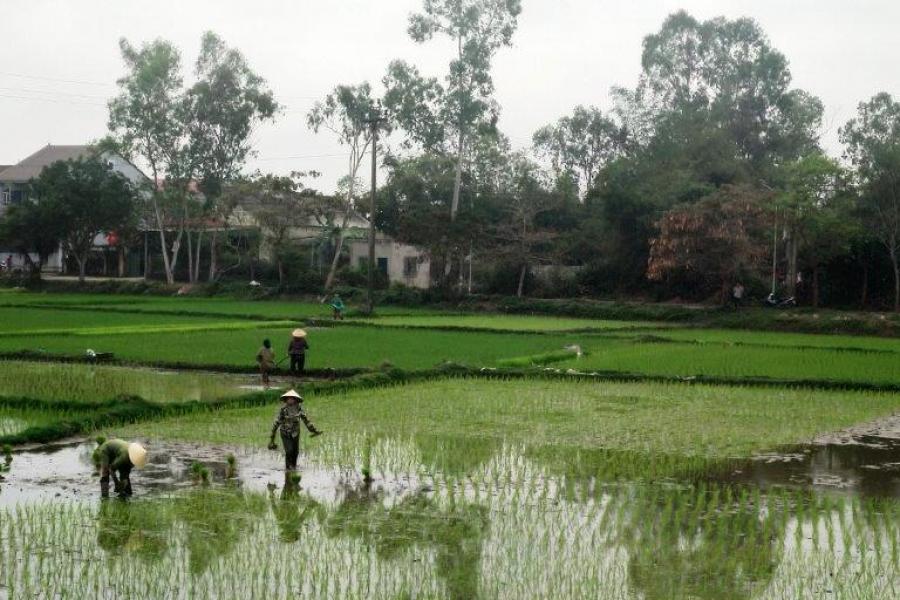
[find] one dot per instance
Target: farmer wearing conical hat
(117, 458)
(297, 351)
(288, 422)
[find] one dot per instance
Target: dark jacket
(298, 346)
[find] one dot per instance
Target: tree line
(709, 172)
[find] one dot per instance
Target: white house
(14, 183)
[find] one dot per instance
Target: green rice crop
(25, 320)
(770, 338)
(336, 347)
(508, 529)
(14, 420)
(644, 417)
(508, 322)
(685, 360)
(48, 381)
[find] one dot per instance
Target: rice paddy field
(463, 456)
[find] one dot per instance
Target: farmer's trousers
(124, 482)
(298, 362)
(291, 445)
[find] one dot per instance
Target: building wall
(405, 264)
(54, 263)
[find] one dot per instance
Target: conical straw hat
(291, 394)
(299, 333)
(137, 455)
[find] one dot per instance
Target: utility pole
(374, 121)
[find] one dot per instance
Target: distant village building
(401, 263)
(14, 185)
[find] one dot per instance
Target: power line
(53, 100)
(52, 92)
(42, 78)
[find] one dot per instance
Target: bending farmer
(288, 421)
(117, 458)
(337, 306)
(297, 351)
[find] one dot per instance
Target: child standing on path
(288, 422)
(266, 359)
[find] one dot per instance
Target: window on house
(4, 198)
(383, 265)
(410, 266)
(16, 197)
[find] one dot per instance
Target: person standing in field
(737, 295)
(337, 307)
(117, 458)
(287, 421)
(297, 351)
(266, 360)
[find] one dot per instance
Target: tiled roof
(32, 166)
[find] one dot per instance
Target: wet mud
(847, 462)
(67, 472)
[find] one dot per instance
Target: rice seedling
(655, 418)
(338, 347)
(507, 322)
(231, 466)
(509, 529)
(76, 382)
(685, 360)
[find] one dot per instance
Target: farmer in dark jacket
(297, 351)
(117, 458)
(288, 422)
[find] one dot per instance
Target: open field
(645, 417)
(722, 360)
(500, 484)
(509, 322)
(337, 347)
(84, 383)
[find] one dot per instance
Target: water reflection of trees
(700, 542)
(213, 521)
(455, 534)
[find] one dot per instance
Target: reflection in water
(293, 509)
(700, 543)
(502, 523)
(416, 522)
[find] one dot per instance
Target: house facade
(14, 186)
(401, 263)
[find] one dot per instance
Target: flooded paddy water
(384, 518)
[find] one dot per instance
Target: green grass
(719, 360)
(16, 420)
(192, 305)
(509, 322)
(768, 338)
(337, 347)
(23, 320)
(644, 417)
(73, 382)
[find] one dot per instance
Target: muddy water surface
(67, 472)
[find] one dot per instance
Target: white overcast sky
(59, 59)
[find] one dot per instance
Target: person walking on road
(266, 360)
(297, 351)
(287, 421)
(737, 295)
(117, 458)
